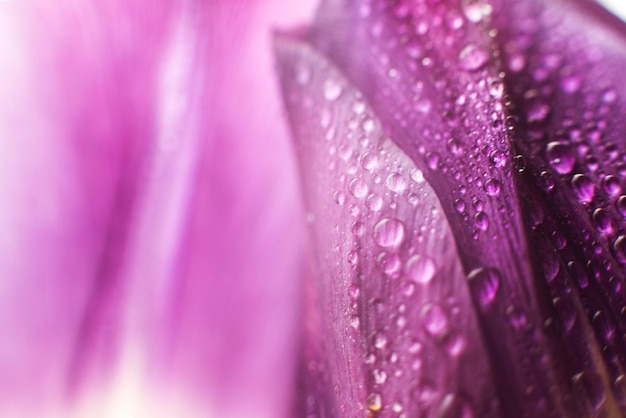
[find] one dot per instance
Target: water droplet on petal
(583, 187)
(389, 263)
(420, 269)
(374, 401)
(484, 283)
(481, 220)
(497, 158)
(389, 233)
(619, 248)
(370, 161)
(435, 319)
(396, 183)
(473, 58)
(611, 185)
(374, 202)
(492, 187)
(332, 89)
(358, 188)
(560, 157)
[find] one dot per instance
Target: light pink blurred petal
(149, 210)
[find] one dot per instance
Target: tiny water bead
(374, 401)
(492, 187)
(389, 263)
(583, 187)
(561, 157)
(374, 202)
(358, 188)
(481, 221)
(484, 284)
(389, 233)
(435, 319)
(421, 269)
(332, 89)
(473, 58)
(611, 185)
(396, 183)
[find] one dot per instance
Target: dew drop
(420, 269)
(332, 89)
(380, 376)
(358, 229)
(473, 58)
(374, 202)
(389, 233)
(492, 187)
(484, 284)
(339, 198)
(396, 183)
(560, 157)
(370, 161)
(374, 402)
(481, 221)
(497, 158)
(602, 220)
(583, 187)
(611, 185)
(459, 205)
(435, 319)
(358, 188)
(619, 248)
(380, 341)
(432, 160)
(389, 263)
(417, 176)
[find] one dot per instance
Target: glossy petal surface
(391, 328)
(514, 121)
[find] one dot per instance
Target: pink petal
(390, 321)
(150, 211)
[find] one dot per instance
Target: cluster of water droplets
(569, 113)
(405, 299)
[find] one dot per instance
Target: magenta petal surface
(390, 320)
(568, 103)
(514, 120)
(151, 241)
(429, 70)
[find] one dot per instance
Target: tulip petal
(429, 70)
(568, 102)
(391, 327)
(145, 269)
(432, 71)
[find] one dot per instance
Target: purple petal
(429, 71)
(146, 207)
(390, 323)
(568, 100)
(493, 144)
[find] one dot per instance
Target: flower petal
(162, 284)
(430, 72)
(568, 101)
(390, 318)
